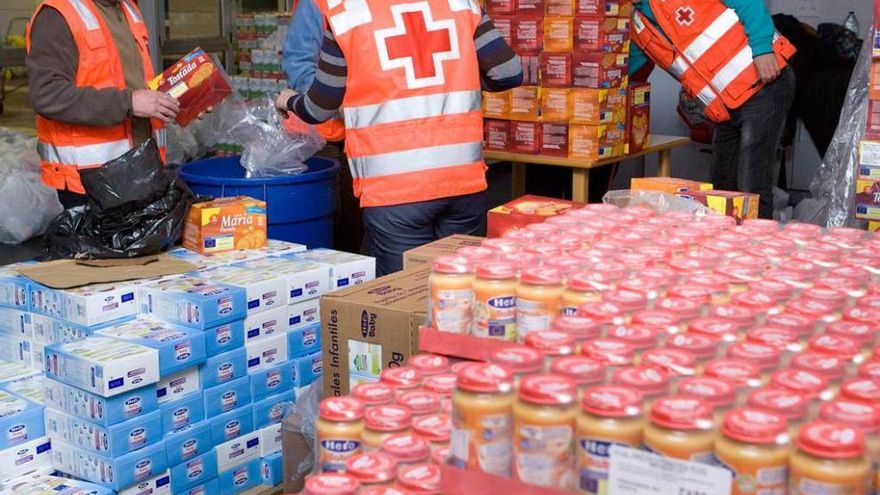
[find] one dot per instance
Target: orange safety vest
(65, 148)
(704, 45)
(412, 107)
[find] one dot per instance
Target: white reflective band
(740, 62)
(705, 40)
(679, 67)
(414, 107)
(707, 95)
(462, 5)
(638, 21)
(83, 156)
(85, 14)
(131, 11)
(401, 162)
(160, 137)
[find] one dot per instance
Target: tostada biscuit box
(197, 82)
(225, 224)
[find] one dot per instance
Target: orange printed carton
(225, 224)
(671, 185)
(525, 211)
(738, 205)
(598, 106)
(196, 81)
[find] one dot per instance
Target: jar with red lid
(538, 300)
(865, 316)
(520, 259)
(477, 255)
(717, 284)
(702, 347)
(607, 273)
(784, 339)
(869, 302)
(374, 393)
(723, 332)
(710, 258)
(755, 446)
(830, 456)
(864, 390)
(766, 357)
(630, 300)
(663, 276)
(681, 428)
(551, 344)
(849, 286)
(420, 479)
(495, 301)
(838, 346)
(420, 402)
(801, 233)
(817, 311)
(482, 419)
(742, 375)
(372, 469)
(407, 449)
(668, 321)
(382, 490)
(806, 383)
(870, 369)
(796, 280)
(612, 353)
(802, 264)
(541, 230)
(564, 263)
(520, 360)
(331, 484)
(676, 362)
(339, 429)
(544, 250)
(442, 385)
(762, 303)
(831, 368)
(452, 294)
(401, 379)
(381, 422)
(686, 309)
(791, 405)
(779, 291)
(865, 334)
(607, 315)
(634, 260)
(699, 294)
(544, 431)
(501, 245)
(744, 316)
(853, 272)
(720, 394)
(836, 299)
(441, 456)
(580, 328)
(640, 337)
(652, 288)
(435, 428)
(429, 364)
(862, 416)
(804, 326)
(650, 382)
(583, 371)
(608, 247)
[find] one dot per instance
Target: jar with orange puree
(788, 404)
(754, 445)
(538, 300)
(610, 415)
(612, 353)
(651, 383)
(583, 371)
(407, 449)
(429, 364)
(579, 289)
(742, 375)
(331, 484)
(374, 393)
(482, 419)
(607, 315)
(831, 368)
(339, 429)
(806, 383)
(862, 416)
(402, 379)
(702, 347)
(452, 294)
(718, 393)
(677, 363)
(551, 343)
(543, 432)
(381, 422)
(420, 402)
(495, 301)
(580, 328)
(435, 428)
(662, 319)
(681, 428)
(765, 357)
(520, 360)
(830, 458)
(372, 469)
(442, 385)
(640, 337)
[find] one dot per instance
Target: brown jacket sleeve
(52, 65)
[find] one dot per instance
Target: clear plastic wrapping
(299, 434)
(660, 202)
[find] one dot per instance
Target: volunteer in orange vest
(408, 75)
(88, 64)
(727, 54)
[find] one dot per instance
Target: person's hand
(282, 99)
(768, 67)
(154, 104)
(205, 113)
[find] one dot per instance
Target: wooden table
(264, 490)
(580, 169)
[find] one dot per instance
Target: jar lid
(869, 302)
(441, 455)
(871, 369)
(682, 413)
(755, 300)
(453, 265)
(803, 266)
(541, 276)
(609, 351)
(420, 402)
(371, 467)
(608, 246)
(735, 371)
(701, 346)
(634, 260)
(862, 333)
(407, 448)
(612, 401)
(565, 264)
(865, 315)
(518, 359)
(423, 479)
(755, 426)
(551, 342)
(842, 284)
(521, 259)
(501, 244)
(429, 364)
(773, 288)
(638, 336)
(713, 281)
(341, 409)
(804, 230)
(765, 224)
(768, 252)
(544, 250)
(541, 229)
(498, 270)
(717, 392)
(831, 440)
(738, 274)
(629, 300)
(834, 345)
(716, 328)
(792, 278)
(832, 297)
(387, 418)
(550, 390)
(758, 263)
(684, 308)
(788, 403)
(606, 271)
(663, 276)
(673, 361)
(801, 324)
(779, 337)
(687, 266)
(601, 312)
(477, 254)
(721, 220)
(764, 356)
(382, 490)
(579, 327)
(828, 367)
(744, 316)
(332, 484)
(732, 237)
(649, 381)
(581, 370)
(435, 427)
(804, 382)
(862, 390)
(646, 230)
(486, 378)
(455, 368)
(851, 272)
(809, 308)
(858, 414)
(442, 384)
(709, 257)
(658, 318)
(401, 377)
(373, 393)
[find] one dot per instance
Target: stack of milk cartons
(16, 328)
(24, 447)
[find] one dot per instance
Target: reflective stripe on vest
(83, 156)
(132, 12)
(88, 18)
(414, 107)
(400, 162)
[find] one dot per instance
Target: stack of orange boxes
(868, 181)
(573, 102)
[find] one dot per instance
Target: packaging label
(364, 358)
(636, 472)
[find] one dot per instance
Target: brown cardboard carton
(596, 142)
(601, 34)
(523, 211)
(558, 34)
(598, 106)
(370, 327)
(554, 139)
(422, 256)
(496, 105)
(556, 70)
(528, 34)
(600, 70)
(525, 104)
(555, 105)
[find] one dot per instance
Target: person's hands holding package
(291, 122)
(147, 103)
(282, 100)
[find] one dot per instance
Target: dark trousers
(391, 230)
(348, 228)
(744, 147)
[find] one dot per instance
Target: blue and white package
(14, 371)
(157, 485)
(194, 472)
(233, 424)
(267, 352)
(223, 368)
(111, 441)
(346, 268)
(264, 290)
(182, 412)
(224, 338)
(265, 324)
(272, 380)
(44, 483)
(115, 473)
(209, 487)
(102, 365)
(21, 420)
(193, 302)
(178, 347)
(304, 340)
(271, 468)
(308, 368)
(25, 458)
(101, 410)
(16, 322)
(270, 439)
(203, 261)
(188, 442)
(30, 387)
(49, 330)
(277, 247)
(271, 409)
(179, 385)
(17, 349)
(227, 396)
(239, 479)
(304, 279)
(238, 451)
(14, 287)
(303, 314)
(89, 305)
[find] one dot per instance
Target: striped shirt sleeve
(500, 68)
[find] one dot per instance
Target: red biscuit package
(598, 34)
(525, 104)
(604, 8)
(196, 81)
(533, 8)
(504, 25)
(559, 8)
(554, 139)
(556, 70)
(599, 70)
(500, 7)
(638, 116)
(528, 35)
(558, 34)
(496, 135)
(525, 137)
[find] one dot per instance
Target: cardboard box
(178, 347)
(600, 70)
(869, 160)
(525, 104)
(240, 479)
(194, 302)
(504, 25)
(525, 137)
(638, 117)
(225, 224)
(369, 328)
(530, 8)
(157, 485)
(206, 488)
(601, 34)
(531, 65)
(111, 441)
(196, 81)
(874, 226)
(90, 306)
(101, 365)
(604, 8)
(270, 440)
(44, 479)
(26, 457)
(308, 368)
(554, 139)
(21, 420)
(96, 409)
(265, 353)
(496, 105)
(264, 290)
(496, 135)
(303, 314)
(345, 268)
(558, 34)
(525, 211)
(669, 185)
(187, 442)
(559, 8)
(183, 412)
(115, 473)
(13, 371)
(874, 88)
(194, 472)
(422, 256)
(868, 199)
(528, 35)
(272, 469)
(266, 324)
(182, 384)
(735, 204)
(598, 106)
(596, 142)
(304, 279)
(223, 368)
(306, 340)
(238, 451)
(555, 104)
(556, 70)
(500, 7)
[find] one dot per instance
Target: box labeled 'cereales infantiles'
(347, 268)
(96, 409)
(116, 473)
(193, 302)
(112, 441)
(178, 347)
(188, 442)
(102, 365)
(304, 279)
(179, 385)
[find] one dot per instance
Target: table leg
(665, 168)
(580, 185)
(518, 180)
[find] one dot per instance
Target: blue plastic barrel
(300, 207)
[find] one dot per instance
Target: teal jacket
(753, 14)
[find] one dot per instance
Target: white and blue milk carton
(179, 385)
(272, 380)
(157, 485)
(182, 412)
(29, 387)
(304, 313)
(232, 424)
(240, 478)
(271, 409)
(304, 340)
(193, 302)
(14, 371)
(14, 288)
(209, 487)
(227, 396)
(102, 365)
(223, 368)
(272, 469)
(25, 457)
(308, 368)
(194, 472)
(224, 338)
(347, 269)
(113, 472)
(16, 322)
(270, 439)
(264, 291)
(49, 330)
(20, 420)
(303, 279)
(90, 305)
(103, 411)
(111, 441)
(266, 352)
(190, 441)
(178, 347)
(265, 324)
(238, 451)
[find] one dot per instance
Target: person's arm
(302, 44)
(760, 30)
(324, 97)
(500, 68)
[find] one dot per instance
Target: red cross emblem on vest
(684, 16)
(418, 44)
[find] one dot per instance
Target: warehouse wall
(10, 9)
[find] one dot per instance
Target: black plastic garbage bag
(136, 207)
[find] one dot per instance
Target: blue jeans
(391, 230)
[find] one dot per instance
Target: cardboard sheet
(67, 274)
